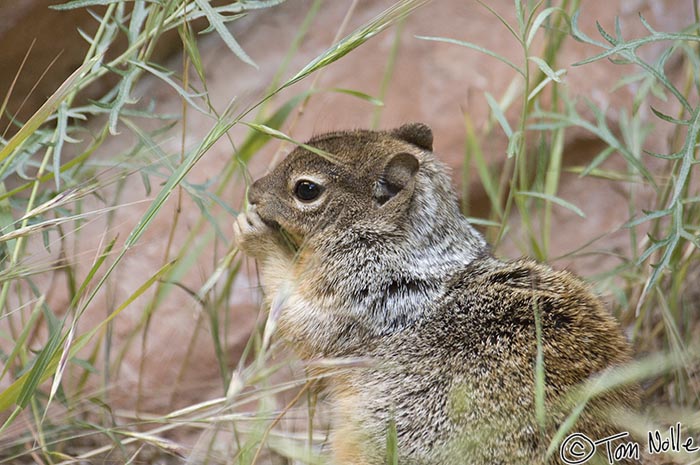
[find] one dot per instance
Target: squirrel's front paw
(251, 234)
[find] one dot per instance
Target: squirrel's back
(462, 381)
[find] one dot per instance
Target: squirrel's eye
(306, 190)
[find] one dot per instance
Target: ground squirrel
(363, 241)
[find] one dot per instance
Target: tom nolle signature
(578, 448)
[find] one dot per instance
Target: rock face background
(432, 82)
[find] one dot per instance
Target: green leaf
(646, 24)
(655, 245)
(41, 369)
(22, 338)
(482, 167)
(83, 3)
(551, 198)
(498, 113)
(65, 167)
(544, 82)
(358, 37)
(483, 222)
(256, 139)
(392, 450)
(61, 129)
(539, 368)
(165, 78)
(648, 217)
(220, 128)
(579, 35)
(122, 97)
(541, 18)
(546, 69)
(478, 48)
(611, 40)
(282, 136)
(22, 389)
(514, 144)
(7, 221)
(565, 427)
(217, 22)
(518, 14)
(358, 94)
(600, 158)
(46, 110)
(688, 156)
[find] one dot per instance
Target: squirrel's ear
(398, 174)
(415, 133)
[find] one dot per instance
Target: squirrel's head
(359, 181)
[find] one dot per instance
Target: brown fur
(383, 267)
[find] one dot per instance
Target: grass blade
(46, 110)
(478, 48)
(216, 22)
(554, 199)
(358, 37)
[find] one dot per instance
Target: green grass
(54, 166)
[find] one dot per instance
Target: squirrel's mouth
(272, 224)
(288, 238)
(268, 221)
